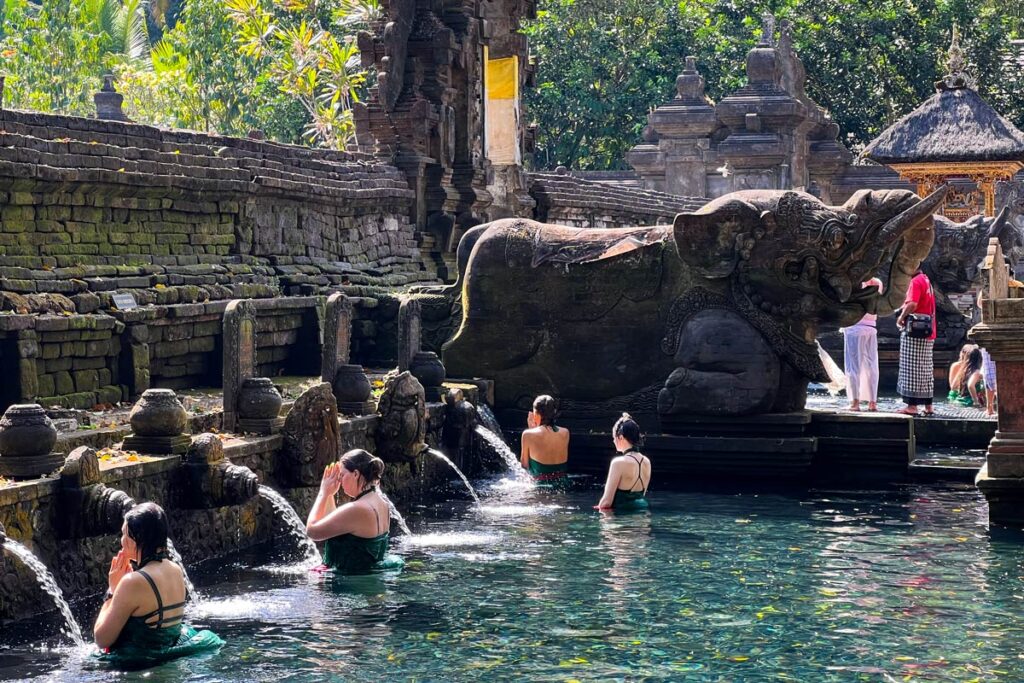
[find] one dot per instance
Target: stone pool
(895, 584)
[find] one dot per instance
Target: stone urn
(27, 437)
(351, 385)
(259, 399)
(428, 369)
(158, 412)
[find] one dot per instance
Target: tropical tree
(303, 56)
(120, 26)
(602, 65)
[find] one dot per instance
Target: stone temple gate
(446, 108)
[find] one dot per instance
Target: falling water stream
(192, 595)
(48, 584)
(291, 519)
(395, 514)
(489, 420)
(469, 487)
(501, 448)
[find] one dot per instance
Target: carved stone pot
(158, 412)
(351, 385)
(26, 438)
(259, 399)
(428, 369)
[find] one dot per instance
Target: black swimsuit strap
(632, 453)
(376, 516)
(160, 609)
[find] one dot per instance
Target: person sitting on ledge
(630, 473)
(356, 533)
(965, 378)
(140, 622)
(545, 445)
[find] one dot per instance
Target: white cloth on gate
(860, 356)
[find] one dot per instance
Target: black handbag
(919, 326)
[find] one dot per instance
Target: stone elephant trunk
(208, 480)
(86, 507)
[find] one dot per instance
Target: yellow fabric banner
(503, 78)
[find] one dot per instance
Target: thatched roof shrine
(953, 125)
(953, 136)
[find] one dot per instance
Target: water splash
(49, 585)
(295, 526)
(489, 420)
(504, 452)
(395, 514)
(469, 487)
(190, 590)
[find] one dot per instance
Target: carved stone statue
(724, 305)
(402, 430)
(311, 437)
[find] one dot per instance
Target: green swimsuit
(351, 554)
(143, 643)
(627, 499)
(549, 475)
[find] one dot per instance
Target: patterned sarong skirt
(916, 383)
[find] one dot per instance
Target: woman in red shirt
(916, 382)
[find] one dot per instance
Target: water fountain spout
(209, 480)
(460, 419)
(87, 507)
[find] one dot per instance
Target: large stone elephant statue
(715, 314)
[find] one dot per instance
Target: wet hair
(147, 526)
(628, 429)
(971, 366)
(368, 465)
(547, 408)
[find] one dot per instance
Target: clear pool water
(905, 584)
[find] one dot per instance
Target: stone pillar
(409, 332)
(337, 336)
(239, 355)
(349, 382)
(28, 352)
(1001, 333)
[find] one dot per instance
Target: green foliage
(51, 61)
(604, 64)
(300, 52)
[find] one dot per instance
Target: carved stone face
(953, 264)
(794, 257)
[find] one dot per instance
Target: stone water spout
(402, 430)
(460, 420)
(86, 507)
(209, 480)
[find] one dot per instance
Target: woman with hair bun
(545, 445)
(355, 534)
(140, 623)
(630, 472)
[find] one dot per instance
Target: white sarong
(860, 356)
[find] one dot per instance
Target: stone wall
(77, 191)
(28, 512)
(567, 200)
